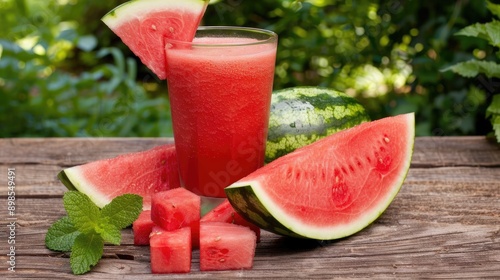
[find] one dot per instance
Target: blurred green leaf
(488, 31)
(494, 8)
(87, 43)
(473, 68)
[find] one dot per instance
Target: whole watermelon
(300, 116)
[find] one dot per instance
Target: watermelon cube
(174, 209)
(170, 250)
(226, 246)
(142, 228)
(224, 212)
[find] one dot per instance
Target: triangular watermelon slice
(143, 26)
(332, 188)
(142, 173)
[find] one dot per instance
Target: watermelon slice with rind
(143, 25)
(332, 188)
(143, 173)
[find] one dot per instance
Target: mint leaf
(83, 213)
(109, 232)
(123, 210)
(86, 228)
(61, 235)
(86, 252)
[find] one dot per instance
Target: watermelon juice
(220, 89)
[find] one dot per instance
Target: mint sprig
(86, 228)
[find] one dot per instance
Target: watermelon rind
(73, 180)
(250, 200)
(302, 115)
(66, 181)
(140, 8)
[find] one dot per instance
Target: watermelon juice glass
(220, 89)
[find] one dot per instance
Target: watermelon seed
(344, 170)
(171, 29)
(218, 238)
(153, 27)
(386, 139)
(340, 193)
(351, 168)
(222, 260)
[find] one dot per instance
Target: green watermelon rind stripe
(334, 111)
(246, 203)
(66, 181)
(357, 116)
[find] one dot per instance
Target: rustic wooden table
(444, 223)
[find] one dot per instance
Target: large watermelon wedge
(142, 173)
(332, 188)
(143, 26)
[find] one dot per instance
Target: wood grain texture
(444, 223)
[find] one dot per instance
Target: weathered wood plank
(41, 180)
(455, 151)
(70, 151)
(429, 151)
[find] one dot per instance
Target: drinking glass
(219, 87)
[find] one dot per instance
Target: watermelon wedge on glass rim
(332, 188)
(143, 26)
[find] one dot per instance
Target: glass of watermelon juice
(219, 88)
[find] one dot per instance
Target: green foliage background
(63, 73)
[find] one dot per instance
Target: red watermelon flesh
(195, 234)
(144, 25)
(333, 187)
(170, 250)
(174, 209)
(142, 228)
(225, 246)
(224, 212)
(143, 173)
